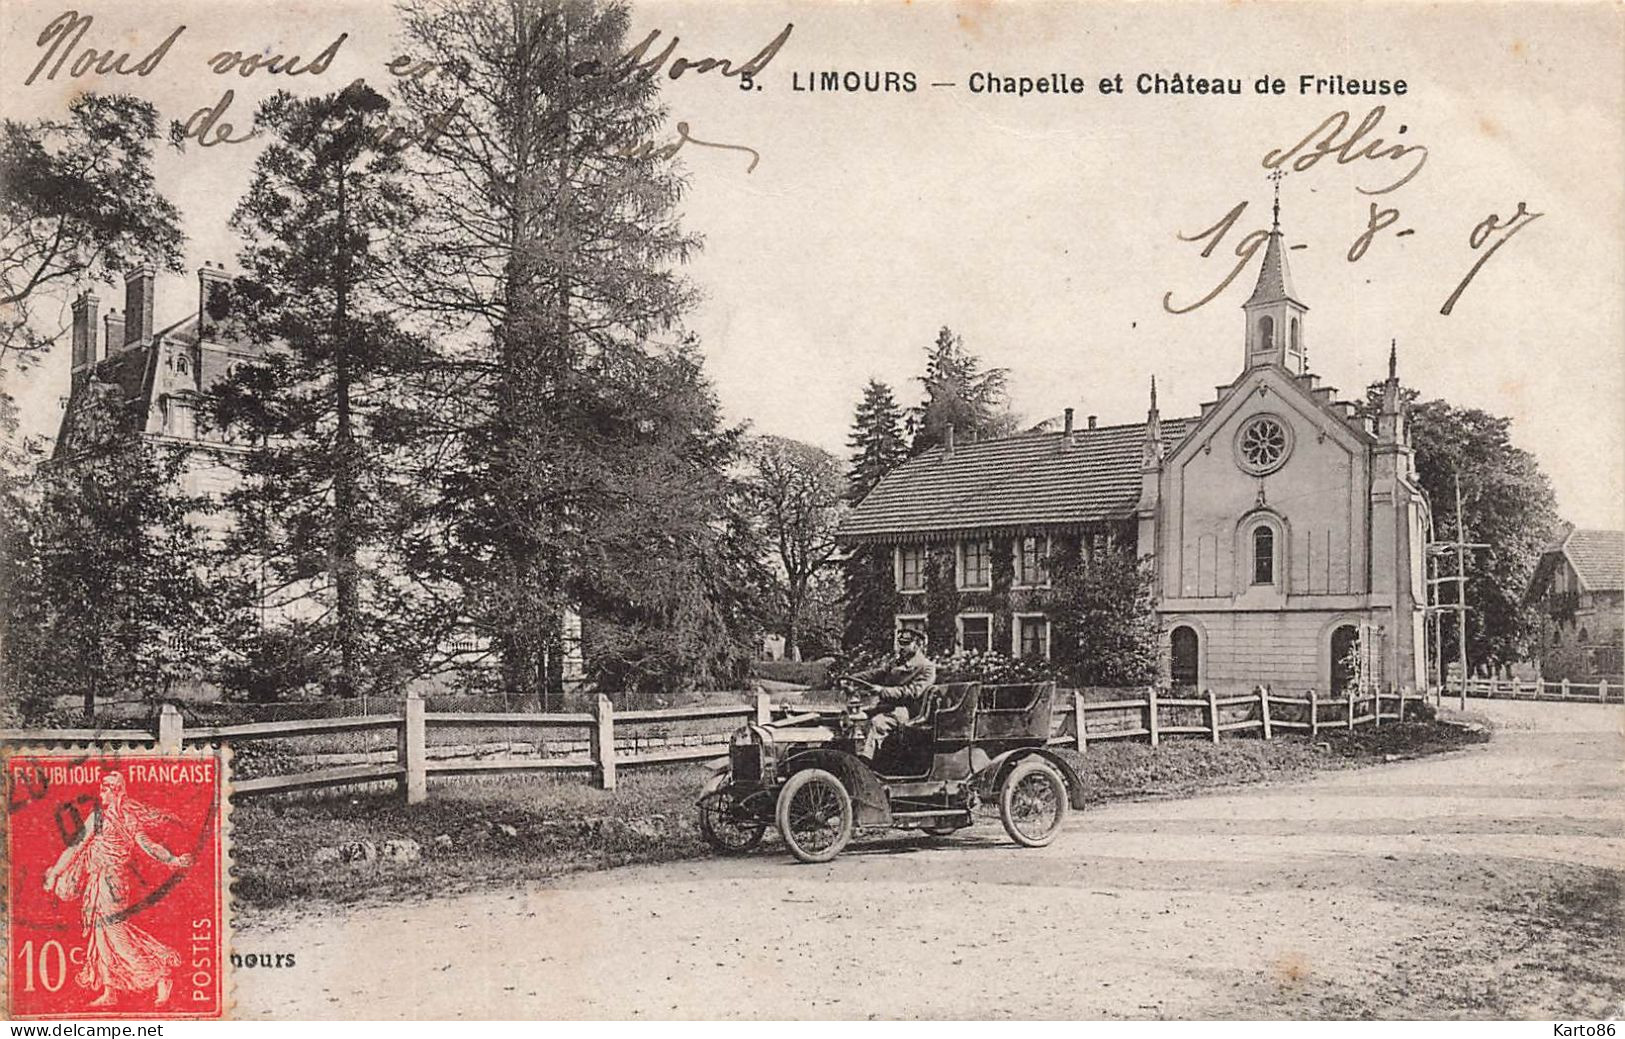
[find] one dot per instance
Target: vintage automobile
(973, 746)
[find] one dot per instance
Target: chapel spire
(1274, 314)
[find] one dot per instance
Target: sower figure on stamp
(901, 685)
(119, 956)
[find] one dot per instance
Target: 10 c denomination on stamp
(116, 884)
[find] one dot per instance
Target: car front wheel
(815, 815)
(722, 822)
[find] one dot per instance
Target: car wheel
(1032, 803)
(815, 815)
(722, 824)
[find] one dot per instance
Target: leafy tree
(77, 202)
(876, 440)
(108, 588)
(960, 394)
(1507, 503)
(321, 494)
(1104, 611)
(551, 251)
(795, 492)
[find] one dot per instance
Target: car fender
(988, 779)
(870, 805)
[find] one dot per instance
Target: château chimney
(138, 302)
(1091, 422)
(84, 329)
(114, 338)
(1067, 428)
(213, 298)
(948, 441)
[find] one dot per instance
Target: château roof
(1031, 480)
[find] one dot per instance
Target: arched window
(1183, 664)
(1266, 332)
(1297, 345)
(1345, 659)
(1263, 555)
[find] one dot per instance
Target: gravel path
(1481, 883)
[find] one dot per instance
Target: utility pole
(1440, 551)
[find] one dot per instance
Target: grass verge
(513, 829)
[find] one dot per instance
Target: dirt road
(1483, 883)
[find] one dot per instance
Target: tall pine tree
(583, 459)
(876, 440)
(321, 491)
(959, 393)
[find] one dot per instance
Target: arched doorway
(1345, 658)
(1184, 665)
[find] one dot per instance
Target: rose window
(1263, 445)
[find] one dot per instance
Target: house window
(1031, 636)
(910, 622)
(1263, 555)
(975, 632)
(1032, 562)
(974, 571)
(911, 568)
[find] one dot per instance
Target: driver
(902, 685)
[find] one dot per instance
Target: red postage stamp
(116, 884)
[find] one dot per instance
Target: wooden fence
(1517, 689)
(629, 739)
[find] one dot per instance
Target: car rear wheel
(815, 815)
(722, 823)
(1032, 803)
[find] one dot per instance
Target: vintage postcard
(890, 509)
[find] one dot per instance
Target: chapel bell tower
(1274, 315)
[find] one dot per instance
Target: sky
(1046, 229)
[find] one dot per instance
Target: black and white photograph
(947, 510)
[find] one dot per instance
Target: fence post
(1602, 690)
(764, 707)
(1080, 728)
(1151, 713)
(171, 727)
(1401, 716)
(411, 750)
(1564, 688)
(1351, 708)
(602, 743)
(1264, 710)
(1213, 715)
(1314, 715)
(1492, 687)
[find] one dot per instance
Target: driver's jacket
(905, 683)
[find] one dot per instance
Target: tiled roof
(1598, 556)
(1028, 480)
